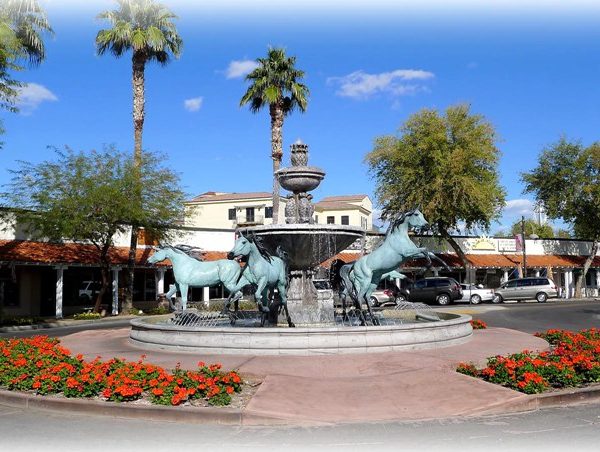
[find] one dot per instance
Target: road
(531, 317)
(571, 428)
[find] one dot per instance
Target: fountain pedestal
(306, 305)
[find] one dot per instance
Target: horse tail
(285, 258)
(346, 281)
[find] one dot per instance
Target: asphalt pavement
(532, 317)
(558, 429)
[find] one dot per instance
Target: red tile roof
(344, 198)
(29, 252)
(334, 205)
(489, 260)
(213, 196)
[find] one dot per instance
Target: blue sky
(531, 68)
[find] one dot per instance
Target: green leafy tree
(445, 164)
(562, 233)
(567, 180)
(22, 24)
(145, 28)
(276, 83)
(532, 228)
(87, 197)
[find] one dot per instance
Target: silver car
(536, 288)
(475, 294)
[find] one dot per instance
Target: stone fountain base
(453, 329)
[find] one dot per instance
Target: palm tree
(23, 22)
(276, 83)
(146, 28)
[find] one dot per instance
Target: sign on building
(507, 245)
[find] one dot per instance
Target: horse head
(160, 254)
(416, 220)
(241, 247)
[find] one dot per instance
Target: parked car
(381, 296)
(536, 288)
(88, 290)
(475, 294)
(392, 294)
(441, 290)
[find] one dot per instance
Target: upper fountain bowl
(299, 179)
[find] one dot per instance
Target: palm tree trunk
(586, 267)
(459, 252)
(139, 66)
(276, 111)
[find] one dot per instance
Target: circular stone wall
(452, 330)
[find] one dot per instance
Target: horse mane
(186, 250)
(396, 222)
(260, 247)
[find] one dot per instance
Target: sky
(531, 68)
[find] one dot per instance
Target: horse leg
(184, 294)
(365, 296)
(283, 296)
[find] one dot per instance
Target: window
(420, 284)
(330, 220)
(231, 214)
(316, 218)
(249, 214)
(268, 212)
(363, 223)
(345, 220)
(523, 283)
(511, 284)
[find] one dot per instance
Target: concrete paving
(309, 390)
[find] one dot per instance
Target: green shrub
(87, 316)
(20, 321)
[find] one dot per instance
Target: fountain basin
(307, 245)
(453, 329)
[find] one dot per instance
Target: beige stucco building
(231, 210)
(353, 210)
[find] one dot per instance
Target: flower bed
(573, 361)
(42, 365)
(478, 324)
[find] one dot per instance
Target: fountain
(306, 244)
(318, 329)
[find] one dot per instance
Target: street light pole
(523, 243)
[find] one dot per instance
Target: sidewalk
(308, 390)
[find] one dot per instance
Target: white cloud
(239, 68)
(362, 85)
(32, 95)
(518, 207)
(193, 104)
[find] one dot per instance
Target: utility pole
(523, 242)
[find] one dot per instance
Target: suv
(441, 290)
(539, 289)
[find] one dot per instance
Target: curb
(203, 415)
(109, 322)
(235, 416)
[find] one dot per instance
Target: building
(232, 210)
(353, 210)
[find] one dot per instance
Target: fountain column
(305, 304)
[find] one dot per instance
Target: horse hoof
(291, 325)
